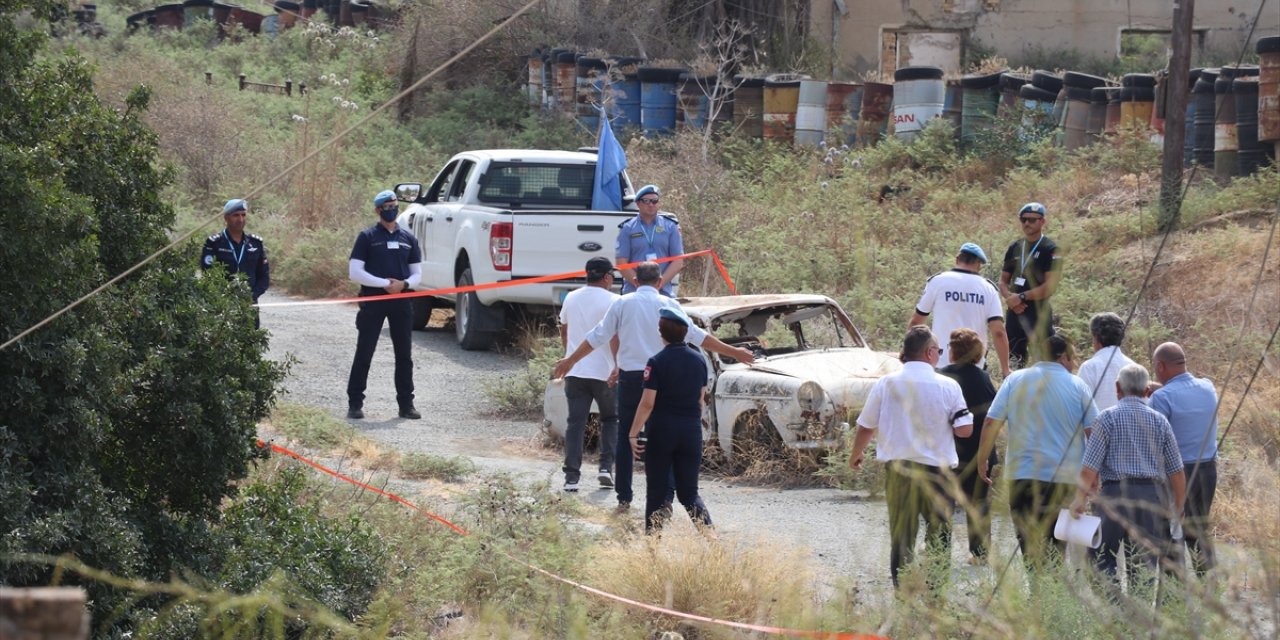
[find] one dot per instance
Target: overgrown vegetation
(122, 453)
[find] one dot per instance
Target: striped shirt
(1130, 441)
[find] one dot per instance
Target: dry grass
(685, 569)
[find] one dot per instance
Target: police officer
(1032, 269)
(385, 260)
(672, 407)
(648, 237)
(242, 253)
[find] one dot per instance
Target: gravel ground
(846, 534)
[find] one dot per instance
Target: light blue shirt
(638, 242)
(634, 319)
(1191, 405)
(1046, 408)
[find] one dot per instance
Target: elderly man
(1030, 275)
(1191, 405)
(1099, 372)
(962, 299)
(917, 413)
(648, 237)
(1049, 412)
(1132, 452)
(633, 319)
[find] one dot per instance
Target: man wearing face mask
(385, 260)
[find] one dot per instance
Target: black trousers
(630, 388)
(976, 494)
(369, 320)
(1135, 516)
(912, 491)
(1027, 330)
(673, 449)
(1034, 507)
(1196, 525)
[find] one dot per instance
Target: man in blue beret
(385, 260)
(961, 298)
(241, 253)
(648, 237)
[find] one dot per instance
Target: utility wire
(258, 189)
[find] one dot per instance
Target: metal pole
(1175, 117)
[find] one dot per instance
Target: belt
(1131, 481)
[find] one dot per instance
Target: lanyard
(238, 256)
(648, 235)
(1023, 262)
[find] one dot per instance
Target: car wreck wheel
(755, 439)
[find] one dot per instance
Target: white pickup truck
(502, 215)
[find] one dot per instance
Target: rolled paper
(1085, 530)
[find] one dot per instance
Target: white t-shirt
(916, 411)
(582, 311)
(1097, 374)
(959, 299)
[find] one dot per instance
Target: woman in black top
(966, 352)
(672, 405)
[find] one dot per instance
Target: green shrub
(420, 466)
(311, 426)
(519, 395)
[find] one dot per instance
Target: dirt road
(846, 534)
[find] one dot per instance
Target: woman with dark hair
(966, 351)
(672, 406)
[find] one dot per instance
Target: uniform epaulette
(215, 237)
(991, 282)
(670, 216)
(254, 236)
(935, 275)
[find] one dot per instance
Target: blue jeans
(674, 450)
(580, 392)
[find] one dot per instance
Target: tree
(127, 420)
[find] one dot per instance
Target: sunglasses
(1026, 219)
(648, 200)
(389, 207)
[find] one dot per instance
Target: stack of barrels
(1233, 112)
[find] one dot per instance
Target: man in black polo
(1029, 277)
(241, 253)
(385, 260)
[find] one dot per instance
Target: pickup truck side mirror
(408, 192)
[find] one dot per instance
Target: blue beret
(672, 313)
(234, 205)
(1033, 207)
(383, 197)
(973, 250)
(648, 189)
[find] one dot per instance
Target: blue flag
(610, 162)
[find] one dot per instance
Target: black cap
(598, 267)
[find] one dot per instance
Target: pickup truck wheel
(422, 307)
(468, 305)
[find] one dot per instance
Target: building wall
(867, 38)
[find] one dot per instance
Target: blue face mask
(389, 214)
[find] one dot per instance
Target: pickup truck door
(439, 226)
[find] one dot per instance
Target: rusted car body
(812, 373)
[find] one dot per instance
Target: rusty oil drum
(748, 106)
(781, 99)
(1269, 89)
(840, 101)
(873, 119)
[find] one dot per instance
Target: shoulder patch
(670, 216)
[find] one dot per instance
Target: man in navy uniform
(385, 260)
(242, 253)
(1030, 275)
(647, 238)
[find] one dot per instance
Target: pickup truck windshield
(538, 186)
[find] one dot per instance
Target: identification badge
(1020, 282)
(650, 257)
(392, 244)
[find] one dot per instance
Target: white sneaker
(571, 486)
(605, 478)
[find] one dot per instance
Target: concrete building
(870, 35)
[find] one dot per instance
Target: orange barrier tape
(724, 273)
(793, 633)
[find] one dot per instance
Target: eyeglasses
(1026, 219)
(648, 200)
(389, 207)
(933, 348)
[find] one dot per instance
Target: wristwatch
(1022, 297)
